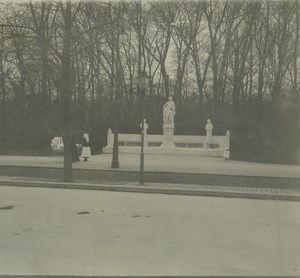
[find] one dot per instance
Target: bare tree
(264, 42)
(66, 93)
(158, 39)
(215, 14)
(280, 59)
(185, 35)
(296, 53)
(240, 63)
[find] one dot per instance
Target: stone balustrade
(184, 144)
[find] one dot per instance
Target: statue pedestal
(168, 137)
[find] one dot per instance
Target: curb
(149, 189)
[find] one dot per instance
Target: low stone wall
(184, 144)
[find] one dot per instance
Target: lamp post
(143, 80)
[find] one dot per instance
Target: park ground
(80, 232)
(162, 163)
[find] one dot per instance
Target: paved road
(78, 232)
(227, 191)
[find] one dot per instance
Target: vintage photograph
(149, 138)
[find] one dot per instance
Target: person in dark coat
(75, 153)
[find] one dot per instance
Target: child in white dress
(226, 154)
(86, 149)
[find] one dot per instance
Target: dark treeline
(234, 62)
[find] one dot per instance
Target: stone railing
(184, 144)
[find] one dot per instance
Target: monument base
(168, 137)
(167, 145)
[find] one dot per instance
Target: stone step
(169, 150)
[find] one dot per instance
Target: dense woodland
(76, 64)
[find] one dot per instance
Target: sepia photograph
(149, 138)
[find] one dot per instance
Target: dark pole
(115, 158)
(142, 143)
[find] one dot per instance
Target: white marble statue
(169, 112)
(145, 126)
(110, 138)
(209, 127)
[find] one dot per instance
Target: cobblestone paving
(218, 188)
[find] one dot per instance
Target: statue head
(208, 121)
(170, 99)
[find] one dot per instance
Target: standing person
(75, 153)
(226, 154)
(86, 149)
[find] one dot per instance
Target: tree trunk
(3, 112)
(66, 93)
(296, 53)
(166, 80)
